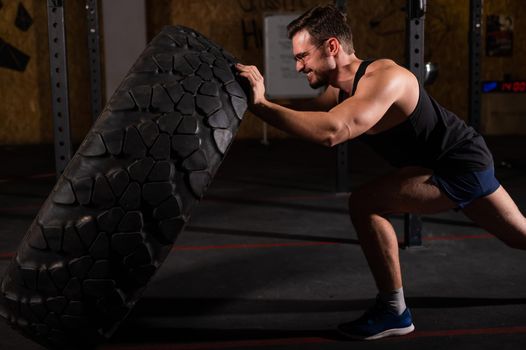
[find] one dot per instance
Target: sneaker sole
(387, 333)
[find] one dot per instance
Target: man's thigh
(498, 214)
(406, 190)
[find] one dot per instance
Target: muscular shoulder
(386, 69)
(386, 76)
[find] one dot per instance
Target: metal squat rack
(59, 75)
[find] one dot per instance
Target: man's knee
(360, 205)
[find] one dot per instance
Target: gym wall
(20, 106)
(505, 113)
(25, 98)
(379, 31)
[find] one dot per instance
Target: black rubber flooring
(270, 259)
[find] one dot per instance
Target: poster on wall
(499, 35)
(281, 78)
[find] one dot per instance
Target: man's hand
(256, 82)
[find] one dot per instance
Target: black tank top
(431, 137)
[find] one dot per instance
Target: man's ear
(333, 46)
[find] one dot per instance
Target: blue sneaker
(378, 322)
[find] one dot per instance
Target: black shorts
(465, 188)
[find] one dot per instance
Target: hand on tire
(256, 80)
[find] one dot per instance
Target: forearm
(311, 125)
(322, 127)
(305, 104)
(323, 102)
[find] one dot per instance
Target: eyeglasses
(300, 57)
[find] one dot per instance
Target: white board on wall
(124, 33)
(281, 78)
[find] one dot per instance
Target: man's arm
(324, 102)
(345, 121)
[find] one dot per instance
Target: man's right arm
(312, 124)
(324, 102)
(345, 121)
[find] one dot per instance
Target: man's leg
(406, 190)
(498, 214)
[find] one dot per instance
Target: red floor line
(475, 331)
(308, 197)
(314, 340)
(8, 255)
(307, 244)
(19, 208)
(221, 345)
(253, 246)
(5, 256)
(458, 238)
(35, 176)
(328, 196)
(40, 176)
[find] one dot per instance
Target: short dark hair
(323, 22)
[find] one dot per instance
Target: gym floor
(270, 259)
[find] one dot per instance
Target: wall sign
(515, 86)
(499, 35)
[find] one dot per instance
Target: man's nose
(299, 66)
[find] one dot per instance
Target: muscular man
(441, 163)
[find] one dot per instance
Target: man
(441, 163)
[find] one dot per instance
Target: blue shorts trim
(465, 188)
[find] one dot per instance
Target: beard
(319, 81)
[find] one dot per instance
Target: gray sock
(394, 300)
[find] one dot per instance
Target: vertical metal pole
(94, 57)
(415, 62)
(341, 5)
(415, 38)
(342, 174)
(412, 230)
(475, 21)
(59, 83)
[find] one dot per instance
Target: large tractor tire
(127, 193)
